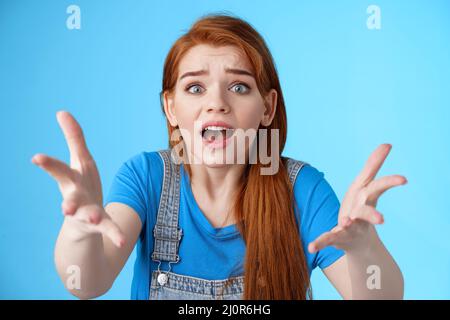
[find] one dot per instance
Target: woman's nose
(220, 108)
(217, 103)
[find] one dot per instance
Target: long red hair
(275, 265)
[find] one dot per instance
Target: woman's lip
(216, 124)
(218, 144)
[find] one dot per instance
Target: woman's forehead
(207, 57)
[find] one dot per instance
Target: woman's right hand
(80, 186)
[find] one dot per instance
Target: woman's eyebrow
(239, 71)
(193, 73)
(227, 70)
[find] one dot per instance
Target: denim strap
(166, 232)
(293, 167)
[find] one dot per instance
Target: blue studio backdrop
(355, 74)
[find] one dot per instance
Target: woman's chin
(219, 158)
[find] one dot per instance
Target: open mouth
(216, 135)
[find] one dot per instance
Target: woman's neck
(216, 182)
(214, 190)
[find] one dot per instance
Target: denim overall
(166, 285)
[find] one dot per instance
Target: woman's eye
(240, 88)
(195, 89)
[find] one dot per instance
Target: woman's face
(215, 95)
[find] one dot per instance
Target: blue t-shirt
(207, 252)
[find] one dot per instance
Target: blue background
(347, 89)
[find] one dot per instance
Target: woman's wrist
(364, 244)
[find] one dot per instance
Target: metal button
(162, 279)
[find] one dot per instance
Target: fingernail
(58, 114)
(67, 212)
(34, 160)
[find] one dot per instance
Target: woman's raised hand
(358, 212)
(80, 185)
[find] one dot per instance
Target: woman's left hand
(357, 214)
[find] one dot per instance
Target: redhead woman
(220, 214)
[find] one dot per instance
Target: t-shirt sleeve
(319, 209)
(130, 185)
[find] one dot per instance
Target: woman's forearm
(81, 262)
(373, 272)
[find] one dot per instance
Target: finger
(74, 136)
(344, 222)
(323, 241)
(368, 214)
(89, 213)
(60, 171)
(377, 187)
(95, 217)
(69, 207)
(373, 165)
(112, 231)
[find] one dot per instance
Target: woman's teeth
(213, 133)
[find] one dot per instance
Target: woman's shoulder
(313, 193)
(310, 184)
(303, 172)
(145, 160)
(138, 183)
(147, 166)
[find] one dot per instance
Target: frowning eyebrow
(240, 71)
(194, 73)
(228, 70)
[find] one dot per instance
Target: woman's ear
(270, 103)
(169, 108)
